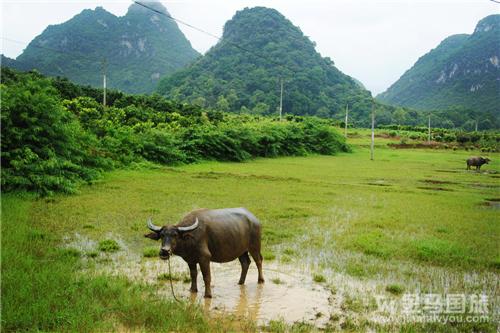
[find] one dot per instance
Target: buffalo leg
(205, 270)
(245, 263)
(257, 257)
(193, 271)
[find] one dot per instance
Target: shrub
(44, 148)
(51, 145)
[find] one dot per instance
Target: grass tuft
(108, 245)
(319, 278)
(277, 281)
(150, 252)
(184, 277)
(268, 255)
(395, 289)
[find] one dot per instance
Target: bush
(51, 145)
(44, 148)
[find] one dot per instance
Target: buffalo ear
(153, 235)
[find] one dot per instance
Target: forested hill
(140, 48)
(242, 72)
(464, 70)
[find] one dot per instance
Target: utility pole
(104, 81)
(429, 133)
(476, 125)
(346, 119)
(281, 100)
(372, 146)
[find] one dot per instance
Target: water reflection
(294, 298)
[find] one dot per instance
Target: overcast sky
(372, 40)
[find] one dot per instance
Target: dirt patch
(431, 145)
(432, 188)
(491, 203)
(386, 136)
(378, 184)
(448, 171)
(479, 185)
(217, 175)
(436, 181)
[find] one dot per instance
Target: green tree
(222, 104)
(260, 108)
(44, 148)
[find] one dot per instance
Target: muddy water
(292, 296)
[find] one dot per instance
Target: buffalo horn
(191, 227)
(153, 227)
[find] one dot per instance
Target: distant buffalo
(477, 161)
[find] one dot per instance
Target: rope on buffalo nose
(170, 279)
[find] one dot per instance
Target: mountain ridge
(139, 47)
(230, 77)
(462, 71)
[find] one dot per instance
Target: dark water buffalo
(218, 235)
(477, 162)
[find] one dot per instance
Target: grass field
(409, 221)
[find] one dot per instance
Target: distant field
(411, 220)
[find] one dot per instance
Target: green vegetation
(319, 278)
(174, 277)
(277, 281)
(372, 214)
(139, 48)
(486, 141)
(54, 138)
(230, 79)
(108, 245)
(459, 77)
(43, 291)
(150, 252)
(395, 289)
(409, 218)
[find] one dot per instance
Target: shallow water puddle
(295, 297)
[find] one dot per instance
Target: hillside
(140, 48)
(463, 71)
(242, 72)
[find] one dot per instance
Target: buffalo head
(170, 236)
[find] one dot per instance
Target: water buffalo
(477, 162)
(218, 235)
